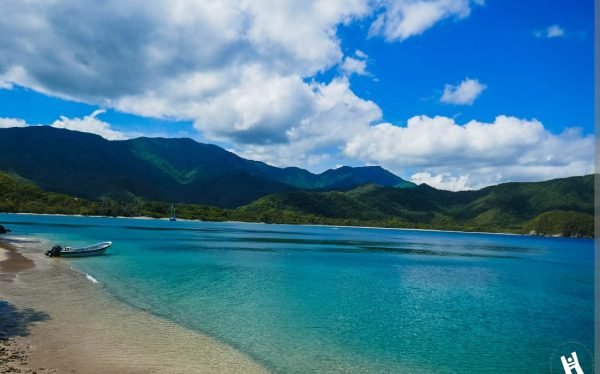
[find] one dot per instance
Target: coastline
(311, 225)
(56, 320)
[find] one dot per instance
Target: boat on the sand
(92, 250)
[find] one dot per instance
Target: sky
(458, 94)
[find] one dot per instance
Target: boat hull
(83, 253)
(93, 250)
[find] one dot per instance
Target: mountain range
(562, 207)
(46, 170)
(161, 169)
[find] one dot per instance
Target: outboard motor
(55, 251)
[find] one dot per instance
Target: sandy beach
(54, 320)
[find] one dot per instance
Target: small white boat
(92, 250)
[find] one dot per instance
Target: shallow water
(322, 299)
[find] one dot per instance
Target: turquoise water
(303, 299)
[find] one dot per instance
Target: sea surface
(318, 299)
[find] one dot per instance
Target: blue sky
(455, 93)
(548, 79)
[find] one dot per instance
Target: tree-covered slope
(513, 207)
(179, 170)
(560, 222)
(510, 207)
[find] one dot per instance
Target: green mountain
(558, 207)
(159, 169)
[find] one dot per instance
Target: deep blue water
(322, 299)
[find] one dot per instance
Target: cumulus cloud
(5, 85)
(352, 65)
(241, 70)
(465, 93)
(355, 65)
(550, 32)
(11, 122)
(475, 154)
(443, 181)
(245, 73)
(145, 47)
(320, 134)
(258, 110)
(360, 54)
(89, 124)
(401, 19)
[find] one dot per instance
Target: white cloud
(145, 47)
(442, 181)
(316, 140)
(89, 124)
(401, 19)
(11, 122)
(432, 150)
(360, 54)
(355, 65)
(241, 70)
(244, 73)
(257, 110)
(5, 85)
(475, 154)
(550, 32)
(464, 93)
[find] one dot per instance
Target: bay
(303, 299)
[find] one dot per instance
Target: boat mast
(172, 211)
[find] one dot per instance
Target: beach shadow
(16, 322)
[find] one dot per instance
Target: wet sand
(52, 319)
(11, 261)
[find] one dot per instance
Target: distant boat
(172, 218)
(92, 250)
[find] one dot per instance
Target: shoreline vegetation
(300, 224)
(41, 326)
(558, 208)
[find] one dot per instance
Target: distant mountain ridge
(161, 169)
(560, 207)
